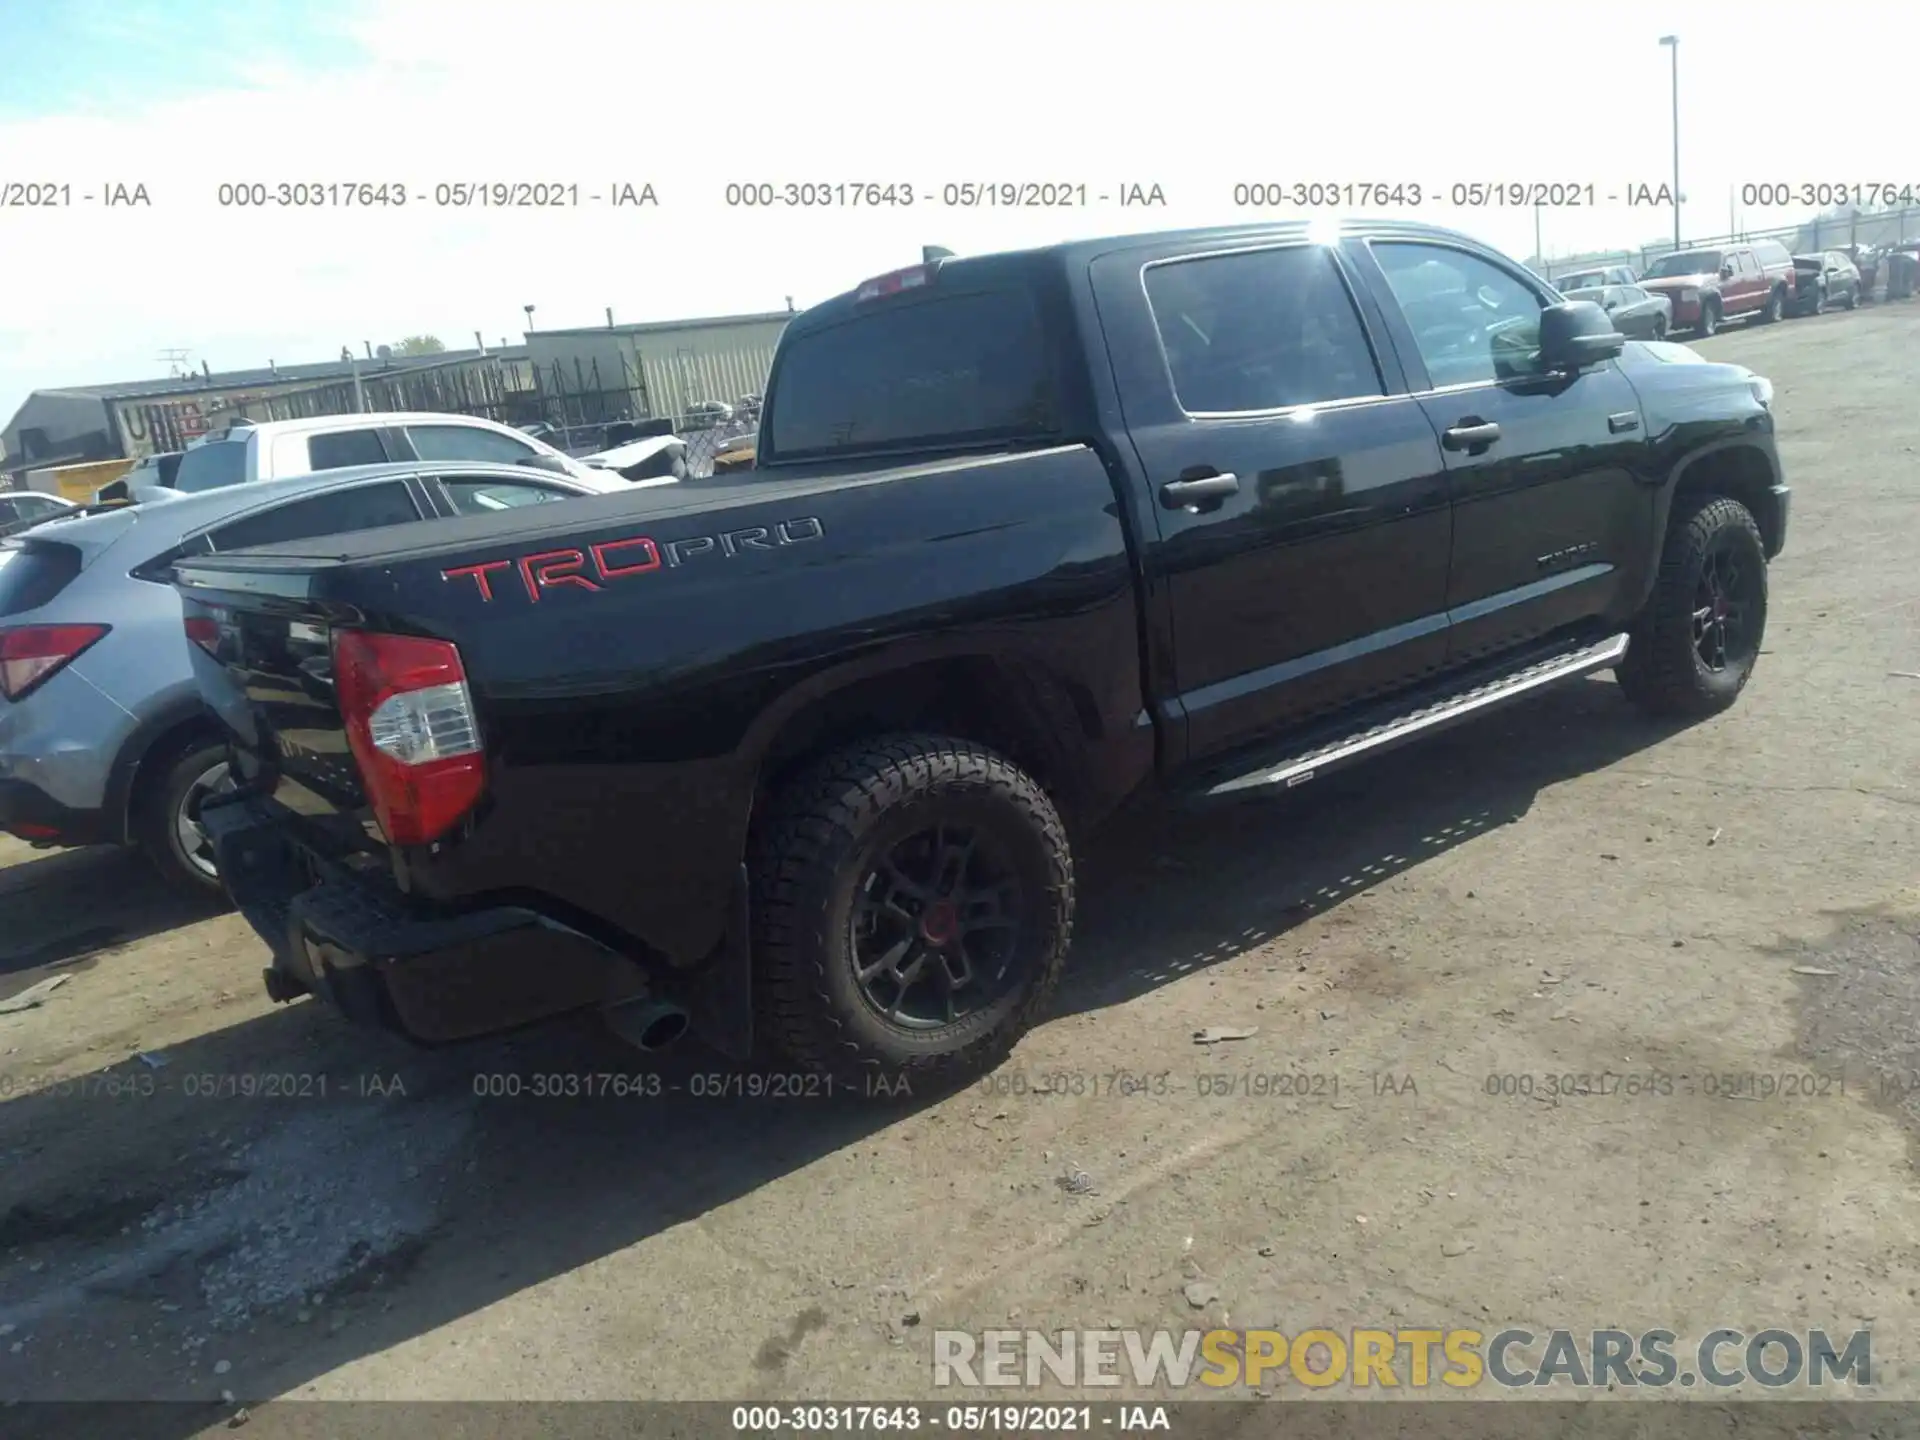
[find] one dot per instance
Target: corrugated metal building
(655, 370)
(132, 418)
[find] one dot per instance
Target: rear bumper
(30, 813)
(434, 979)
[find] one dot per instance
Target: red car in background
(1728, 282)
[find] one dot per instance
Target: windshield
(948, 370)
(1687, 262)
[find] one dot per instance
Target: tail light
(31, 654)
(204, 631)
(412, 728)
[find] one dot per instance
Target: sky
(1195, 97)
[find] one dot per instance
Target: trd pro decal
(593, 567)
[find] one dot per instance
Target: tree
(419, 345)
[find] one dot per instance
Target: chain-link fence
(589, 408)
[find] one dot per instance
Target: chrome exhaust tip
(648, 1024)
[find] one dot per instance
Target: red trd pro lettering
(595, 566)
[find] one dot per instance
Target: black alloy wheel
(1727, 598)
(936, 926)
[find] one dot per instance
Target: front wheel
(913, 902)
(1693, 647)
(1853, 299)
(1659, 327)
(1709, 319)
(166, 819)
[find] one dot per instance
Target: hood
(1680, 282)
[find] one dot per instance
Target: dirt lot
(1562, 890)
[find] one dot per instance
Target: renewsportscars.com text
(1416, 1359)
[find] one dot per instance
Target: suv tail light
(411, 726)
(30, 654)
(204, 631)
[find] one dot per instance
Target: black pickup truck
(793, 756)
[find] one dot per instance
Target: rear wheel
(1693, 647)
(1776, 305)
(165, 823)
(1819, 303)
(913, 903)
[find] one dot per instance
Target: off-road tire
(1663, 673)
(810, 855)
(151, 823)
(1709, 320)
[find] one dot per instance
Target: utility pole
(1672, 42)
(359, 392)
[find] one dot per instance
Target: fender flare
(123, 777)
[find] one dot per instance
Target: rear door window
(486, 496)
(212, 466)
(341, 448)
(1262, 330)
(362, 507)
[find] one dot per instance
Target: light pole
(1672, 42)
(529, 310)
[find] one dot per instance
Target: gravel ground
(205, 1196)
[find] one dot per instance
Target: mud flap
(719, 994)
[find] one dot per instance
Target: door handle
(1470, 435)
(1177, 494)
(1623, 423)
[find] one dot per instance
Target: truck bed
(698, 620)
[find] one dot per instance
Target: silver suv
(103, 737)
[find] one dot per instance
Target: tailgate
(262, 654)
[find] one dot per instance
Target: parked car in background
(246, 452)
(1594, 279)
(574, 440)
(103, 738)
(1753, 281)
(1638, 313)
(150, 473)
(1828, 278)
(22, 508)
(736, 454)
(706, 414)
(799, 760)
(652, 460)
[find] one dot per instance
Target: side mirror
(1726, 272)
(1575, 335)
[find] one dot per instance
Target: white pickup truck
(275, 449)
